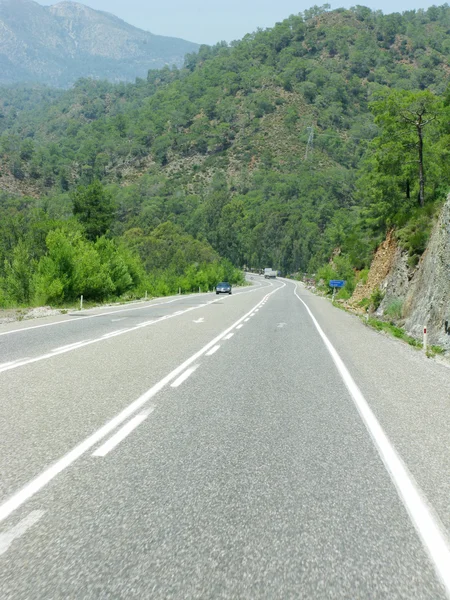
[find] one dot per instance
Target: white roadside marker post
(425, 338)
(81, 302)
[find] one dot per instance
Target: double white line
(37, 484)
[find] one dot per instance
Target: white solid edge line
(35, 485)
(120, 435)
(118, 332)
(62, 348)
(12, 362)
(182, 378)
(421, 514)
(123, 432)
(213, 350)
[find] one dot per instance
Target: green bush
(344, 294)
(341, 268)
(324, 274)
(414, 235)
(3, 300)
(363, 276)
(124, 269)
(18, 274)
(364, 303)
(376, 298)
(71, 267)
(394, 309)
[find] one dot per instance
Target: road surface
(255, 446)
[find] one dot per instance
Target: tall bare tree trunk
(419, 126)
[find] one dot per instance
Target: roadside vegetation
(392, 329)
(49, 261)
(297, 144)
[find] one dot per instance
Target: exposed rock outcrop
(397, 282)
(422, 293)
(427, 301)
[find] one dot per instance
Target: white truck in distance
(270, 273)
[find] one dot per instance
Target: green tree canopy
(94, 207)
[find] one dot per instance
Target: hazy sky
(208, 22)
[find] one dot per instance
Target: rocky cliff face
(427, 301)
(422, 293)
(58, 44)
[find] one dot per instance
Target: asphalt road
(259, 445)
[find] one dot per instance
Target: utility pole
(310, 144)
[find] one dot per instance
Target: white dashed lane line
(129, 427)
(34, 486)
(16, 532)
(133, 423)
(84, 316)
(77, 345)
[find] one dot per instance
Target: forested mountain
(296, 143)
(56, 45)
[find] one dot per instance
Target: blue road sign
(337, 283)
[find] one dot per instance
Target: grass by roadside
(393, 330)
(389, 328)
(399, 333)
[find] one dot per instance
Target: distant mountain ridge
(58, 44)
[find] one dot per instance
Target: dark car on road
(223, 288)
